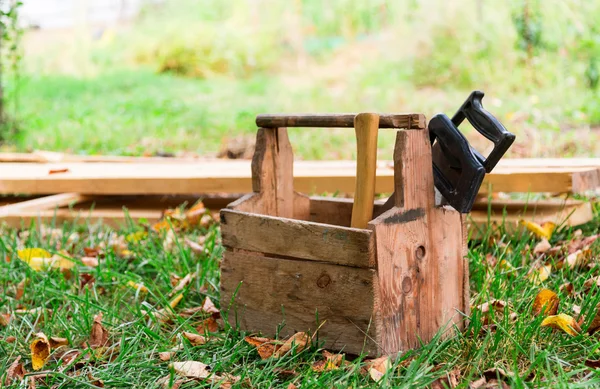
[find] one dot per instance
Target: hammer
(366, 126)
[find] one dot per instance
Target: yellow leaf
(540, 275)
(25, 255)
(266, 347)
(135, 237)
(175, 301)
(545, 303)
(136, 286)
(562, 322)
(40, 351)
(541, 231)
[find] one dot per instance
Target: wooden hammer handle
(366, 126)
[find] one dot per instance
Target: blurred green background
(189, 76)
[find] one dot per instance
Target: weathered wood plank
(295, 292)
(412, 121)
(419, 254)
(43, 203)
(297, 238)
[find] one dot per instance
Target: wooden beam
(234, 176)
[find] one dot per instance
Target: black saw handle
(487, 125)
(457, 171)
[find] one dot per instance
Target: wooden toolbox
(293, 263)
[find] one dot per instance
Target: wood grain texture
(366, 126)
(419, 255)
(297, 238)
(295, 292)
(407, 121)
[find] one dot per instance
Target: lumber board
(273, 291)
(297, 238)
(43, 203)
(234, 176)
(411, 121)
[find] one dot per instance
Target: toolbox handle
(409, 121)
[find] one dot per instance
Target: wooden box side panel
(301, 295)
(333, 210)
(297, 238)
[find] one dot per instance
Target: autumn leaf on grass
(209, 307)
(192, 369)
(540, 275)
(578, 259)
(40, 351)
(378, 367)
(544, 231)
(331, 362)
(449, 380)
(5, 319)
(266, 347)
(136, 286)
(542, 246)
(194, 339)
(182, 284)
(40, 259)
(545, 303)
(14, 371)
(99, 334)
(562, 322)
(298, 341)
(208, 325)
(90, 261)
(136, 237)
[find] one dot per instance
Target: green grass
(207, 71)
(531, 355)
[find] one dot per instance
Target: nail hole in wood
(323, 281)
(420, 253)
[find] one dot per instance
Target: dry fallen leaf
(578, 259)
(5, 319)
(15, 371)
(497, 305)
(99, 334)
(20, 289)
(196, 247)
(542, 246)
(58, 342)
(165, 355)
(194, 339)
(588, 284)
(562, 322)
(540, 275)
(209, 307)
(90, 261)
(331, 362)
(266, 347)
(182, 284)
(378, 367)
(40, 351)
(541, 231)
(299, 341)
(594, 364)
(292, 386)
(567, 288)
(546, 303)
(208, 325)
(191, 369)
